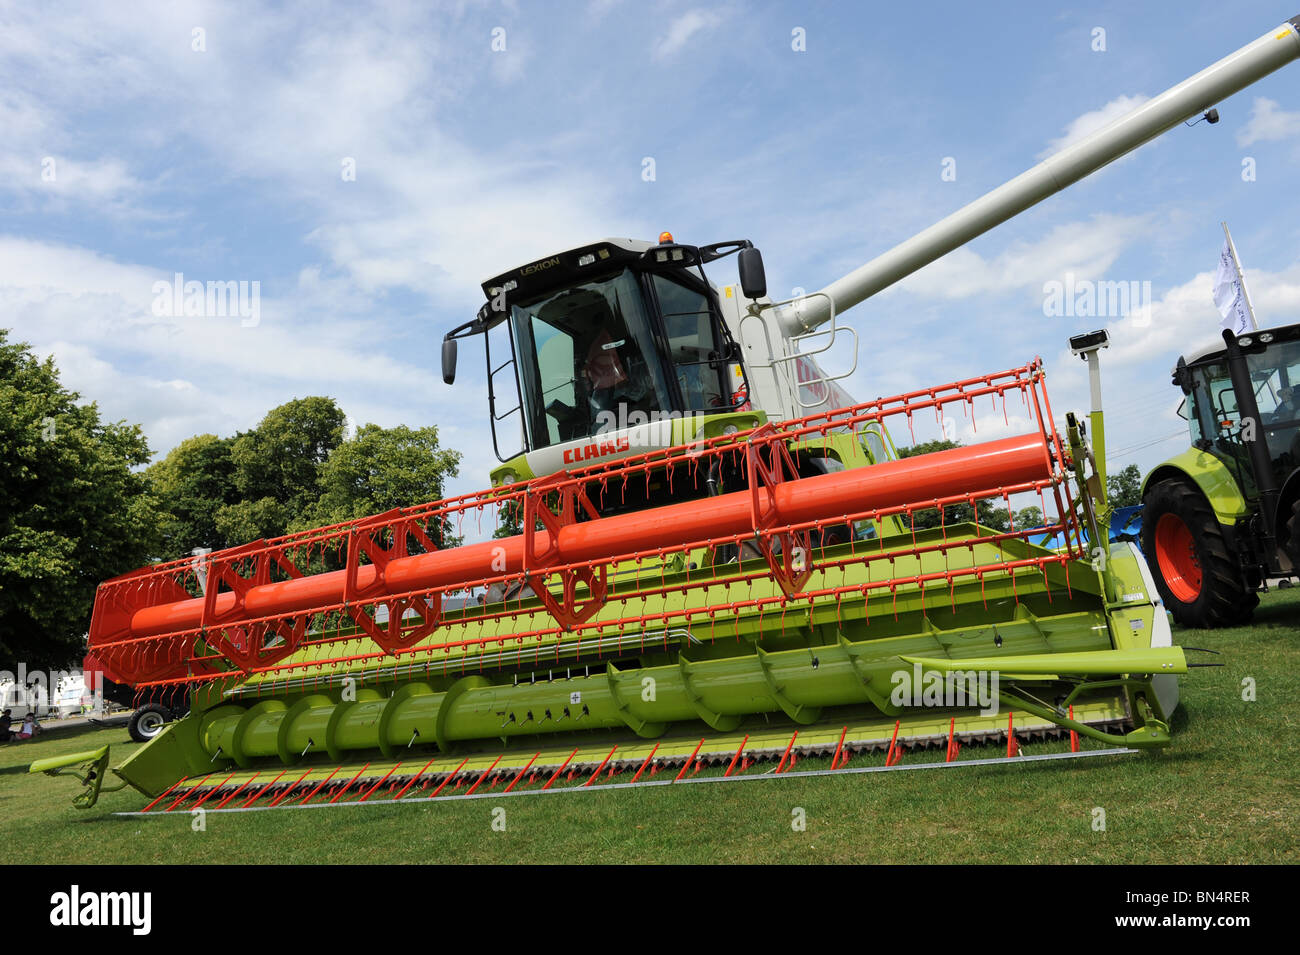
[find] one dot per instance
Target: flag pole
(1236, 264)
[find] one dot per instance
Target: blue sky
(224, 163)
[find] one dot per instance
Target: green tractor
(1222, 518)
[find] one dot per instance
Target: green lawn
(1224, 793)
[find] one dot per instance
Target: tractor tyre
(147, 721)
(1291, 541)
(1200, 583)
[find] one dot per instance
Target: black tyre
(1198, 580)
(147, 722)
(1291, 540)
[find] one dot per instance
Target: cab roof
(562, 267)
(1217, 352)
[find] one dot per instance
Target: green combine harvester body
(852, 631)
(703, 552)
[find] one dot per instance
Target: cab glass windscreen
(1275, 376)
(691, 344)
(588, 361)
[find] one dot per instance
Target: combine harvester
(715, 563)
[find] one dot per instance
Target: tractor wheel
(1292, 540)
(1184, 545)
(147, 722)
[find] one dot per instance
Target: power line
(1181, 432)
(1135, 401)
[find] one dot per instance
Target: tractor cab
(606, 351)
(1223, 517)
(1213, 408)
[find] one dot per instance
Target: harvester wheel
(147, 722)
(1184, 544)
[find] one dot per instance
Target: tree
(378, 470)
(276, 469)
(194, 481)
(510, 520)
(985, 512)
(73, 511)
(927, 447)
(989, 516)
(1028, 517)
(1124, 489)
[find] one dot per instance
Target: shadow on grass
(99, 815)
(53, 731)
(1279, 612)
(1181, 720)
(20, 769)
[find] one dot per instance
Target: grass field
(1226, 792)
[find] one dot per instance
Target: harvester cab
(705, 554)
(1223, 517)
(611, 350)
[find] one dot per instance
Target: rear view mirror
(449, 360)
(753, 280)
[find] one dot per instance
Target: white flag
(1228, 295)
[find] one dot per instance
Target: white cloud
(1268, 123)
(22, 120)
(474, 220)
(271, 111)
(1142, 427)
(598, 8)
(41, 159)
(682, 29)
(31, 269)
(280, 107)
(1086, 249)
(1185, 319)
(1092, 121)
(92, 179)
(184, 376)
